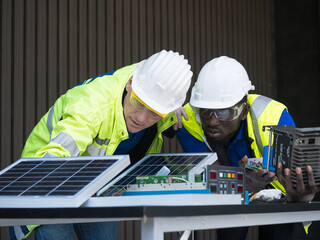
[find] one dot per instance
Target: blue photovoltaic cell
(51, 177)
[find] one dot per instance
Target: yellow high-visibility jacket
(88, 120)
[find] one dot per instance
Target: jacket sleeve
(75, 130)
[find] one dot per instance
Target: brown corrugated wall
(50, 46)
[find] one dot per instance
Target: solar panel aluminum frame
(76, 200)
(200, 167)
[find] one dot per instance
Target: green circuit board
(165, 179)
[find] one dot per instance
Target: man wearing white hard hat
(224, 118)
(122, 112)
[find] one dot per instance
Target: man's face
(219, 131)
(137, 116)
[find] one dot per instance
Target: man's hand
(179, 113)
(256, 180)
(302, 193)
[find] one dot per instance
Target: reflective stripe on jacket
(263, 111)
(87, 120)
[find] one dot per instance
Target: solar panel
(57, 181)
(160, 164)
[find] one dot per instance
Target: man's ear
(245, 111)
(129, 85)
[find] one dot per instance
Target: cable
(177, 178)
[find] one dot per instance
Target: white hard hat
(162, 81)
(221, 83)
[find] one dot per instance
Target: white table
(156, 220)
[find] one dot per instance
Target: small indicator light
(240, 189)
(229, 175)
(213, 175)
(240, 176)
(233, 175)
